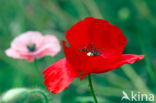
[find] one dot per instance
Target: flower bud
(17, 95)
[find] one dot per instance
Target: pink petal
(49, 47)
(21, 42)
(13, 53)
(18, 55)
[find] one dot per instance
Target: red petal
(97, 64)
(98, 32)
(125, 59)
(88, 64)
(59, 76)
(77, 35)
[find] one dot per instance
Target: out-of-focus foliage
(137, 19)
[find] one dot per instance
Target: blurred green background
(137, 19)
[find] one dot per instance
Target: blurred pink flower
(33, 45)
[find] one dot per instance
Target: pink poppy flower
(33, 45)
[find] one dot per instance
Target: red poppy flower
(96, 46)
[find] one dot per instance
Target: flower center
(91, 51)
(31, 47)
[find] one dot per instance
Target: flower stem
(42, 93)
(37, 67)
(91, 88)
(39, 74)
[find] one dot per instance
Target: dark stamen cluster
(91, 51)
(31, 47)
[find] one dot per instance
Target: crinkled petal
(59, 76)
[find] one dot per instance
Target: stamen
(96, 53)
(31, 47)
(91, 50)
(90, 54)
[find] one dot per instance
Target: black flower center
(31, 47)
(91, 50)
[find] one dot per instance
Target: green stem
(36, 66)
(39, 74)
(42, 93)
(91, 88)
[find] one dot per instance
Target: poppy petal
(59, 76)
(100, 33)
(105, 35)
(77, 35)
(88, 64)
(125, 59)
